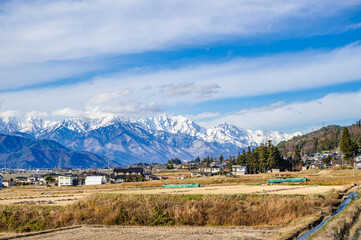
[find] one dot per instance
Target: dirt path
(43, 200)
(174, 233)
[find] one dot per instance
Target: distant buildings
(95, 180)
(209, 171)
(8, 182)
(238, 170)
(68, 181)
(126, 174)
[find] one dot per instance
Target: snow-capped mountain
(223, 133)
(148, 140)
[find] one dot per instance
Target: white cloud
(354, 26)
(108, 96)
(36, 34)
(180, 89)
(204, 115)
(128, 93)
(36, 114)
(262, 109)
(130, 109)
(10, 113)
(331, 108)
(68, 112)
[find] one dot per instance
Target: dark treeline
(260, 159)
(328, 138)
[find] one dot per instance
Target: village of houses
(145, 172)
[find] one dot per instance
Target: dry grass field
(220, 201)
(175, 233)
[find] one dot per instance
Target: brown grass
(153, 210)
(346, 224)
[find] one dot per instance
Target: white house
(239, 170)
(65, 181)
(94, 180)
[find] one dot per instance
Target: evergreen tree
(346, 146)
(262, 158)
(296, 160)
(315, 145)
(249, 160)
(239, 159)
(231, 162)
(243, 157)
(221, 159)
(273, 155)
(208, 161)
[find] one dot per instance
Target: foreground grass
(346, 225)
(167, 210)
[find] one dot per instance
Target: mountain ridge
(21, 152)
(147, 140)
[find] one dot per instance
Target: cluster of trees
(348, 146)
(260, 159)
(172, 162)
(264, 157)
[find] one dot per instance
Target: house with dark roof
(126, 174)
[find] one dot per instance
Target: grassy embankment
(167, 210)
(345, 225)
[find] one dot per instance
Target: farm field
(223, 207)
(176, 233)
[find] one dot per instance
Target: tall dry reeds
(164, 210)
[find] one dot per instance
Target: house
(357, 160)
(34, 178)
(23, 180)
(305, 167)
(148, 176)
(209, 171)
(95, 180)
(8, 182)
(68, 181)
(126, 174)
(239, 170)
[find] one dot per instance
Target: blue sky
(278, 65)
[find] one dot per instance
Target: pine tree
(296, 160)
(315, 145)
(346, 146)
(249, 160)
(239, 159)
(272, 160)
(221, 159)
(262, 158)
(243, 157)
(231, 162)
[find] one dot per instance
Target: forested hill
(325, 139)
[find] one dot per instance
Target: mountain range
(21, 152)
(156, 139)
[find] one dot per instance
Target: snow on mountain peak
(223, 133)
(172, 124)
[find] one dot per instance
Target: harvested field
(175, 233)
(242, 189)
(54, 198)
(42, 199)
(68, 195)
